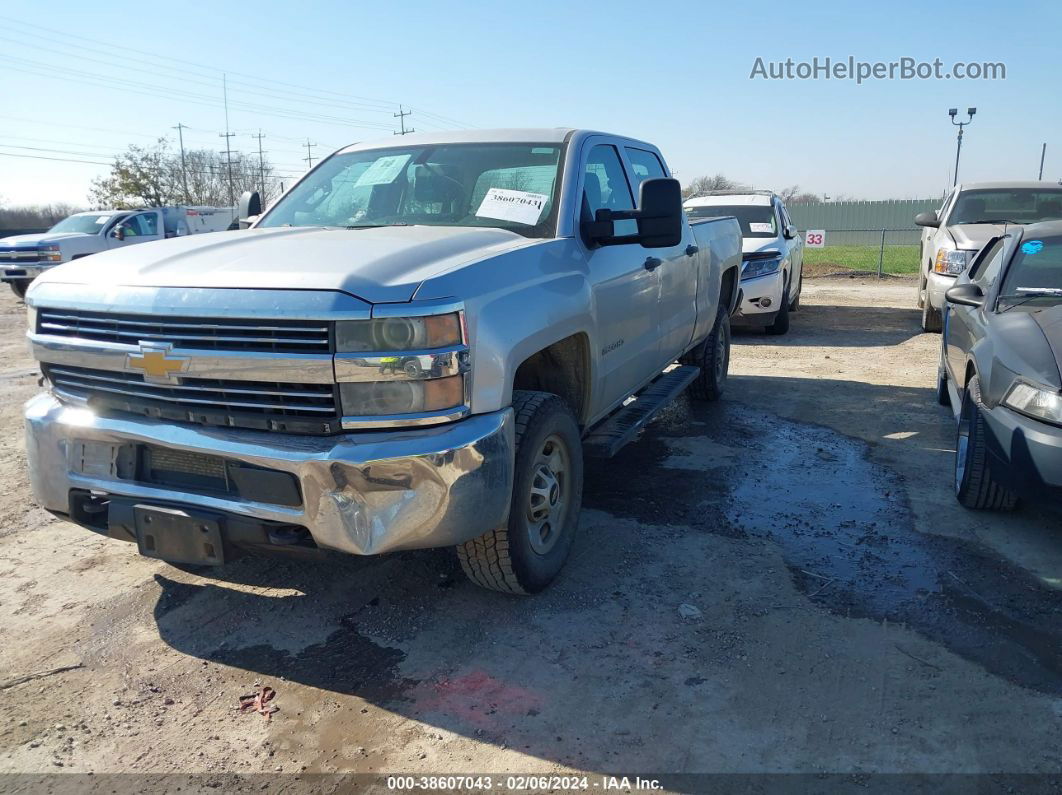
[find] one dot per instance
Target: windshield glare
(508, 186)
(1037, 263)
(755, 220)
(1021, 205)
(89, 224)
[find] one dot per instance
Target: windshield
(88, 224)
(1020, 205)
(1035, 272)
(755, 220)
(509, 186)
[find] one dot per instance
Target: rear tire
(19, 288)
(975, 487)
(943, 397)
(527, 553)
(713, 357)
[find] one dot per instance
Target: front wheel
(932, 322)
(527, 553)
(19, 287)
(975, 487)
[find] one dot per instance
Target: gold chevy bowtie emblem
(155, 363)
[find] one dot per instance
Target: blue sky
(676, 74)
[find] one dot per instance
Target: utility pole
(184, 169)
(227, 135)
(261, 163)
(309, 154)
(1043, 153)
(958, 146)
(401, 116)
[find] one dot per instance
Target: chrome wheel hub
(548, 497)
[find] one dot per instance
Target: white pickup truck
(412, 348)
(24, 257)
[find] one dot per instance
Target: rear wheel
(795, 304)
(525, 554)
(713, 357)
(943, 398)
(975, 487)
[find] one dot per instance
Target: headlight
(49, 254)
(383, 398)
(31, 319)
(760, 267)
(1038, 402)
(398, 334)
(951, 262)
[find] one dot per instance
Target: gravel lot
(849, 615)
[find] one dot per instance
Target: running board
(610, 436)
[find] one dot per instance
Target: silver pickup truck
(412, 348)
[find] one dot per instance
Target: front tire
(527, 553)
(19, 288)
(713, 357)
(781, 320)
(932, 322)
(975, 487)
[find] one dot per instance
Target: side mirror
(659, 218)
(928, 218)
(965, 295)
(249, 208)
(119, 232)
(789, 232)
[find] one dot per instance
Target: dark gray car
(999, 368)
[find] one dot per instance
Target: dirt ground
(848, 616)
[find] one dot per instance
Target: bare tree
(794, 195)
(41, 216)
(705, 184)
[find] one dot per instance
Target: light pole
(958, 145)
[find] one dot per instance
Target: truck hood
(973, 236)
(25, 241)
(378, 265)
(751, 244)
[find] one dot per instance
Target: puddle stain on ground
(846, 533)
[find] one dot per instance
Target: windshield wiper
(993, 221)
(1026, 294)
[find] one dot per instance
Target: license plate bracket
(178, 535)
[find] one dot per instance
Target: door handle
(652, 263)
(691, 250)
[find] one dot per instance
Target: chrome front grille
(261, 336)
(19, 256)
(302, 408)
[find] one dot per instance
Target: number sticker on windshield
(1032, 247)
(383, 171)
(758, 227)
(512, 205)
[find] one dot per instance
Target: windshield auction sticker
(383, 171)
(512, 205)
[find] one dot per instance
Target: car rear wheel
(713, 357)
(794, 305)
(781, 320)
(525, 554)
(975, 487)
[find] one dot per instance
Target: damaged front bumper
(360, 493)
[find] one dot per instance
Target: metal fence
(878, 250)
(854, 215)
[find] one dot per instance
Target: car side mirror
(928, 218)
(249, 208)
(789, 232)
(119, 232)
(659, 218)
(965, 295)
